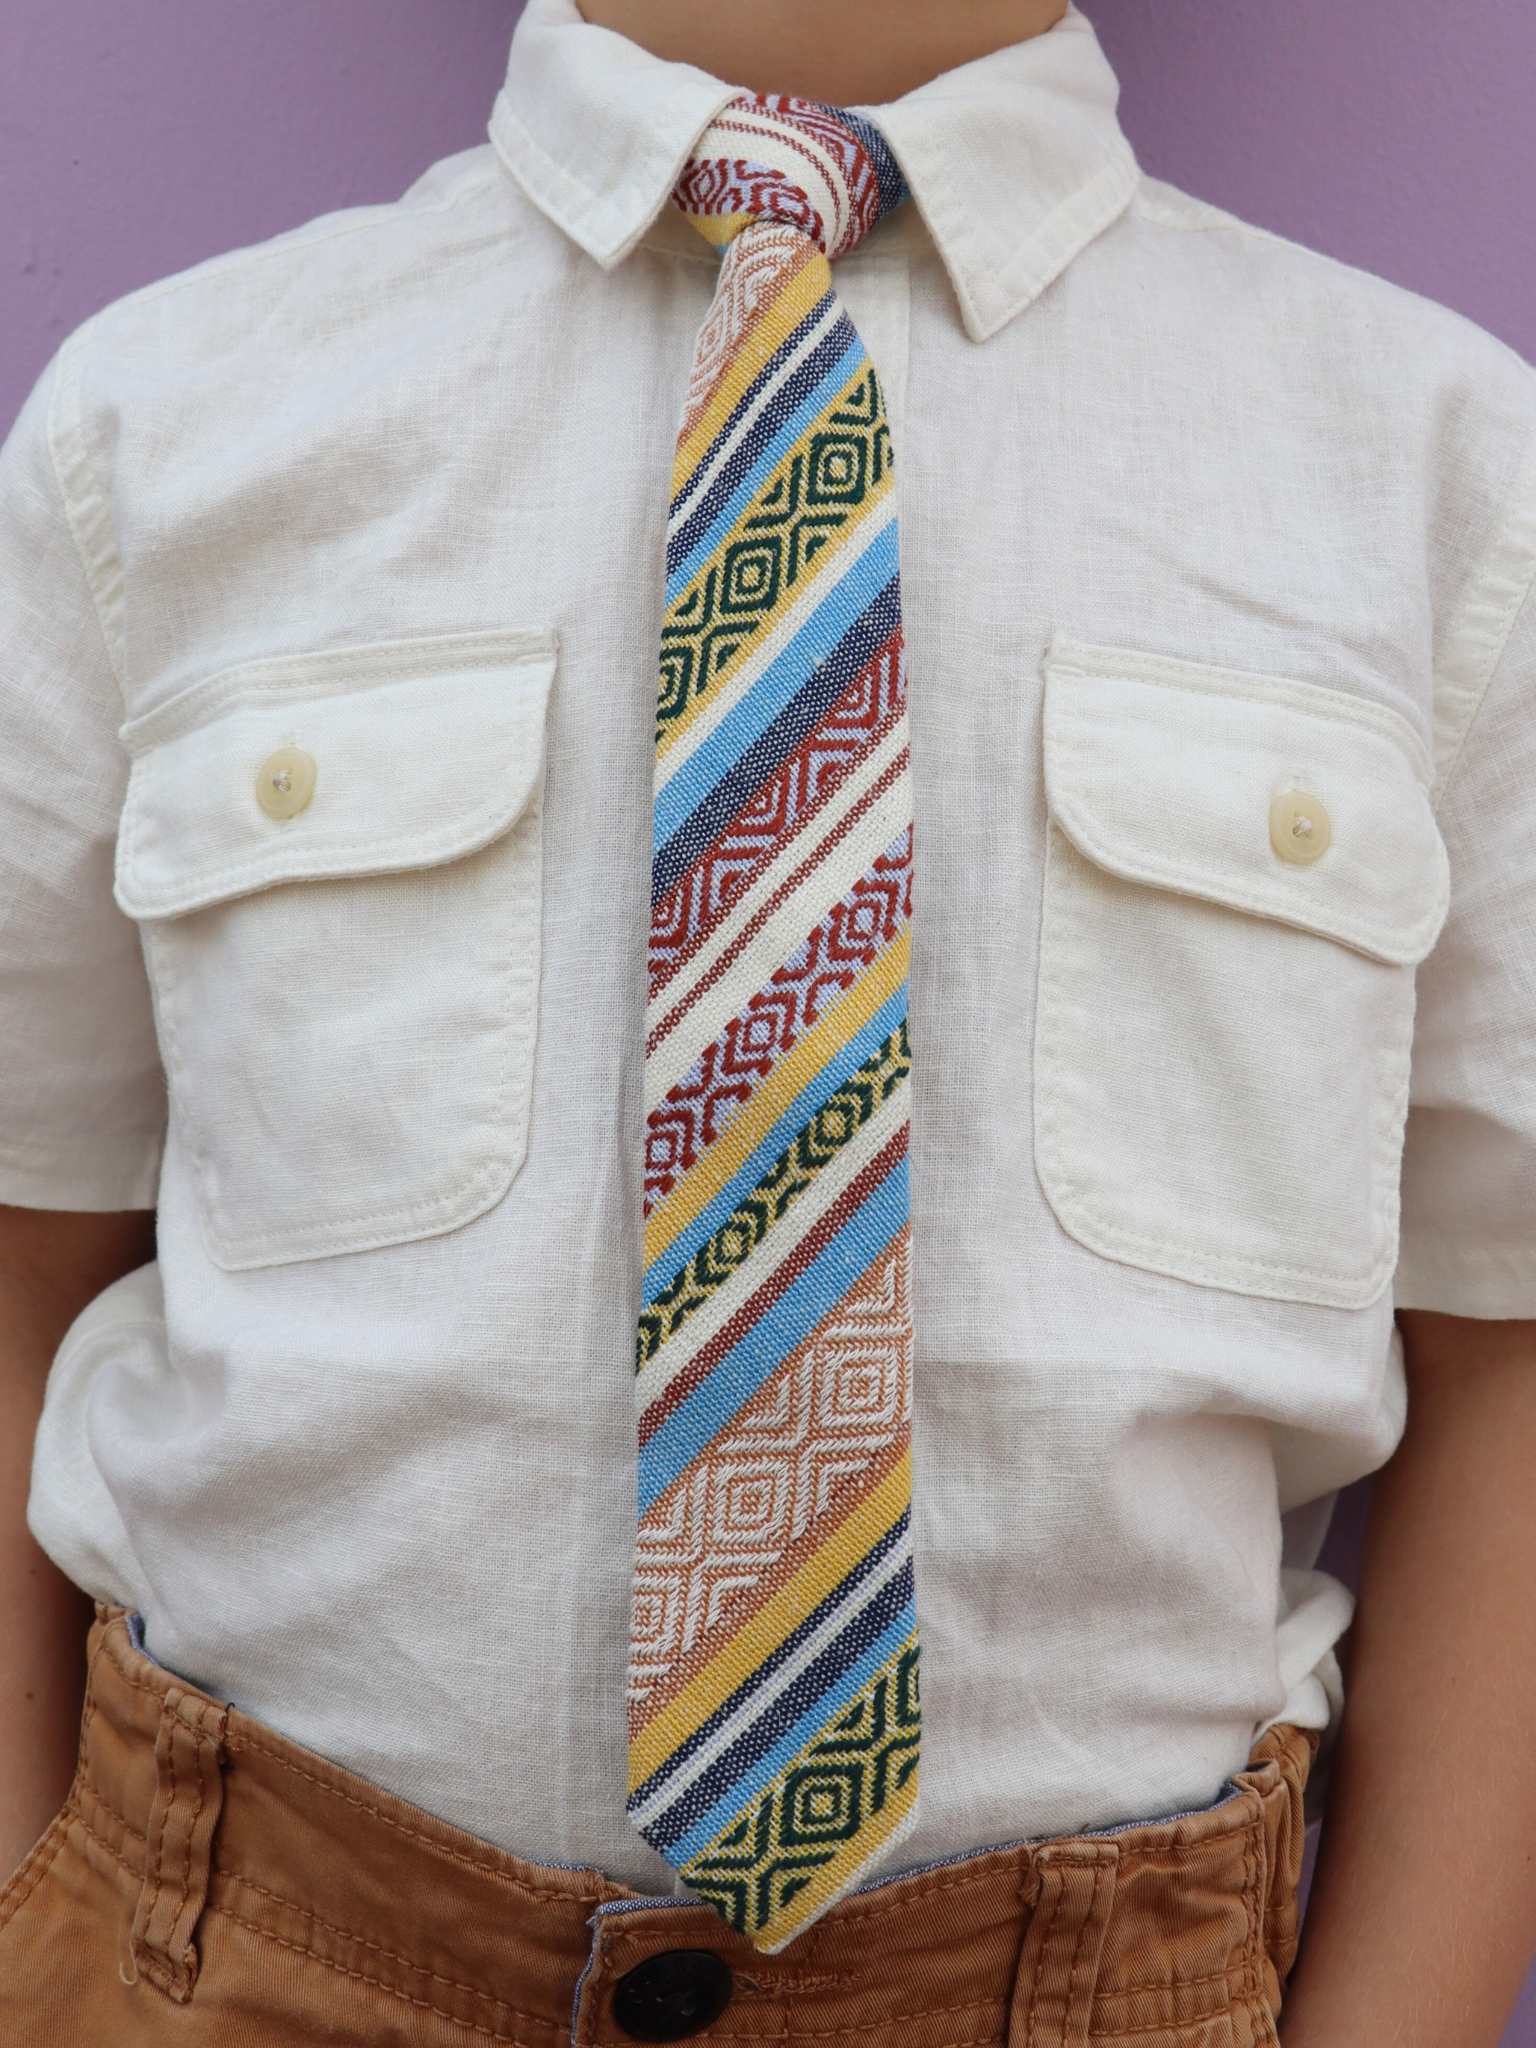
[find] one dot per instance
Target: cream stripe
(777, 151)
(776, 1619)
(794, 851)
(833, 1181)
(788, 1080)
(858, 533)
(790, 925)
(722, 449)
(752, 1709)
(768, 330)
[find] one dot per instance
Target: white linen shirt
(1195, 527)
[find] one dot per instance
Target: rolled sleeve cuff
(1491, 1284)
(99, 1176)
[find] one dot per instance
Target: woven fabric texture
(773, 1689)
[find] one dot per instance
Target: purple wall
(136, 140)
(1395, 134)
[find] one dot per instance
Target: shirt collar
(1016, 162)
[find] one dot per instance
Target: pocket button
(285, 782)
(1300, 828)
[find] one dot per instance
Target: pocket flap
(424, 750)
(1164, 773)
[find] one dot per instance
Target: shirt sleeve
(82, 1094)
(1469, 1174)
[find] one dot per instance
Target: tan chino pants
(209, 1883)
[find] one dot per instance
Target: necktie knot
(822, 170)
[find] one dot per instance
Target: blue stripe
(828, 680)
(752, 396)
(806, 391)
(797, 397)
(868, 583)
(775, 1661)
(803, 1711)
(791, 1319)
(893, 186)
(667, 1265)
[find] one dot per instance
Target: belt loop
(178, 1842)
(1059, 1966)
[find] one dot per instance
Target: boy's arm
(1423, 1913)
(51, 1266)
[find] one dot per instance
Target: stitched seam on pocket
(442, 1211)
(339, 672)
(489, 1181)
(1285, 899)
(601, 1890)
(1065, 1191)
(399, 1222)
(1401, 946)
(1122, 664)
(332, 847)
(1167, 2035)
(405, 854)
(34, 1867)
(377, 1948)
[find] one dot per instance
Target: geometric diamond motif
(741, 1519)
(847, 1777)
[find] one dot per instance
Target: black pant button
(672, 1996)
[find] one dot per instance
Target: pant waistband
(230, 1843)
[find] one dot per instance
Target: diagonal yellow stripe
(719, 228)
(789, 1078)
(823, 567)
(761, 1636)
(834, 1878)
(829, 1883)
(772, 325)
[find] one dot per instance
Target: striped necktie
(773, 1693)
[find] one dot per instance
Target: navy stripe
(796, 1700)
(758, 1678)
(840, 336)
(893, 186)
(749, 397)
(800, 716)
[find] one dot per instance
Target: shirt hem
(1488, 1286)
(34, 1180)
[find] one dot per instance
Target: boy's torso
(1179, 534)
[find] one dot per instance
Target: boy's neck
(845, 52)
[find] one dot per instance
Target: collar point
(989, 300)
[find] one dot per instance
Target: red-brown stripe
(805, 1254)
(785, 890)
(815, 742)
(749, 1602)
(782, 259)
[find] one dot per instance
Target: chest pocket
(346, 995)
(1225, 1012)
